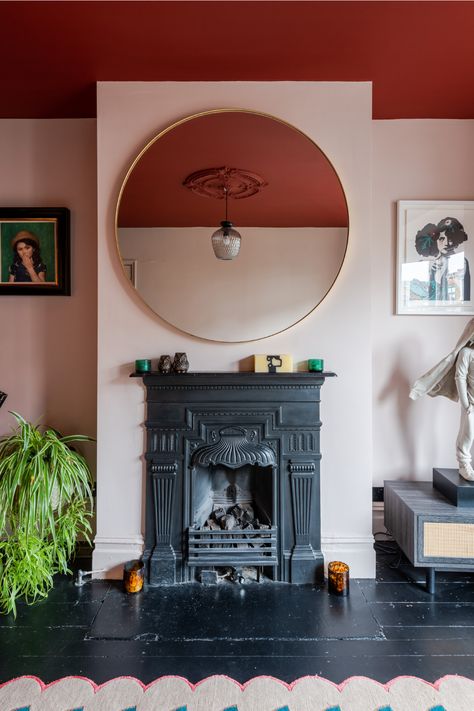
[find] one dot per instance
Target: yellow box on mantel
(281, 363)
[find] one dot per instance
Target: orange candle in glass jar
(338, 578)
(133, 576)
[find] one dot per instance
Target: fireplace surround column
(163, 559)
(303, 557)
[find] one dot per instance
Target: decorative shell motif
(234, 449)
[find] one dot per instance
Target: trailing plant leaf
(27, 569)
(46, 503)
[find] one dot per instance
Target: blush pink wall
(413, 160)
(337, 116)
(261, 281)
(48, 351)
(48, 354)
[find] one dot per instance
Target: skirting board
(110, 554)
(358, 552)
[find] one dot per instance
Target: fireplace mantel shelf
(250, 376)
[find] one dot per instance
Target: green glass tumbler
(143, 365)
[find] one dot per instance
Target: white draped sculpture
(453, 377)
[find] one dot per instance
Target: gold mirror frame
(125, 260)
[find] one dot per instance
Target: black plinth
(456, 489)
(197, 420)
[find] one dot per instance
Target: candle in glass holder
(338, 578)
(143, 365)
(133, 576)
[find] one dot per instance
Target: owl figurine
(164, 364)
(180, 363)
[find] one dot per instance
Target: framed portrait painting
(35, 251)
(435, 256)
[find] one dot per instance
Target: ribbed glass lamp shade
(226, 241)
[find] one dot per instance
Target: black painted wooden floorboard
(387, 627)
(374, 591)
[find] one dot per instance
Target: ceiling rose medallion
(213, 182)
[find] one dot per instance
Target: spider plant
(45, 504)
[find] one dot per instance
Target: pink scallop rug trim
(290, 686)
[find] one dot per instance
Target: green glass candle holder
(315, 365)
(143, 365)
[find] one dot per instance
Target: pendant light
(226, 240)
(226, 182)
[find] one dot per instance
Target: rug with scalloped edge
(220, 693)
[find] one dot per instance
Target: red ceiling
(303, 188)
(419, 55)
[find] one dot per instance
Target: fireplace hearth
(232, 480)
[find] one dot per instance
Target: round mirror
(232, 225)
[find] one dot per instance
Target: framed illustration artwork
(35, 251)
(435, 256)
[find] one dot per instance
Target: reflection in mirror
(293, 228)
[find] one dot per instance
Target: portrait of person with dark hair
(27, 265)
(449, 275)
(35, 251)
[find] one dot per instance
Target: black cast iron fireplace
(233, 466)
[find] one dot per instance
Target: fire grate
(233, 548)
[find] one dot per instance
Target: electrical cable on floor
(388, 548)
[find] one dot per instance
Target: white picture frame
(435, 257)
